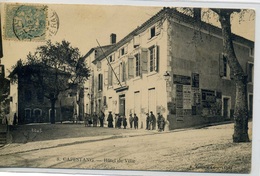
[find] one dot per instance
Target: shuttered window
(137, 64)
(224, 69)
(154, 58)
(144, 60)
(100, 82)
(130, 67)
(110, 76)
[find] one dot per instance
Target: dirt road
(200, 150)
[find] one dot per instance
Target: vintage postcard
(132, 88)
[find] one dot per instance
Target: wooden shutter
(106, 77)
(116, 69)
(126, 49)
(130, 67)
(101, 82)
(123, 72)
(144, 60)
(158, 29)
(110, 76)
(136, 41)
(221, 65)
(157, 58)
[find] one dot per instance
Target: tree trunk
(241, 110)
(53, 101)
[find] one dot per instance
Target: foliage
(54, 68)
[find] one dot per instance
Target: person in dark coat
(147, 121)
(153, 120)
(158, 120)
(110, 120)
(131, 120)
(161, 123)
(101, 118)
(15, 119)
(119, 121)
(135, 121)
(124, 122)
(89, 120)
(95, 119)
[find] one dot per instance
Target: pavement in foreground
(208, 149)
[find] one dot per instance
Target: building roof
(179, 17)
(98, 51)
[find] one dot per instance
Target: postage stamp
(25, 22)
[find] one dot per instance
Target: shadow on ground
(42, 132)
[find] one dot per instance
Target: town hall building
(173, 65)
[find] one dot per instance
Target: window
(98, 65)
(152, 32)
(100, 82)
(130, 67)
(122, 51)
(224, 67)
(251, 51)
(225, 64)
(136, 41)
(250, 72)
(111, 58)
(137, 65)
(153, 58)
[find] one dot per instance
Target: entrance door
(152, 100)
(137, 104)
(226, 108)
(122, 105)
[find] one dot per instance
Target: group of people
(94, 119)
(118, 121)
(151, 122)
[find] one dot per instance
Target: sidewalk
(13, 148)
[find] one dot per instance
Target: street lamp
(166, 75)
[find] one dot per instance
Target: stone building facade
(173, 65)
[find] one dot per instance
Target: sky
(82, 25)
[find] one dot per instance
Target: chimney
(197, 14)
(112, 38)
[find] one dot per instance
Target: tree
(239, 76)
(54, 68)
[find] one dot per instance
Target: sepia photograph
(126, 87)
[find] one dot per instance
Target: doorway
(122, 105)
(226, 106)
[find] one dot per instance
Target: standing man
(158, 120)
(147, 121)
(124, 122)
(95, 119)
(135, 121)
(101, 118)
(110, 120)
(131, 119)
(153, 119)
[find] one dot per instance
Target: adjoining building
(33, 106)
(172, 64)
